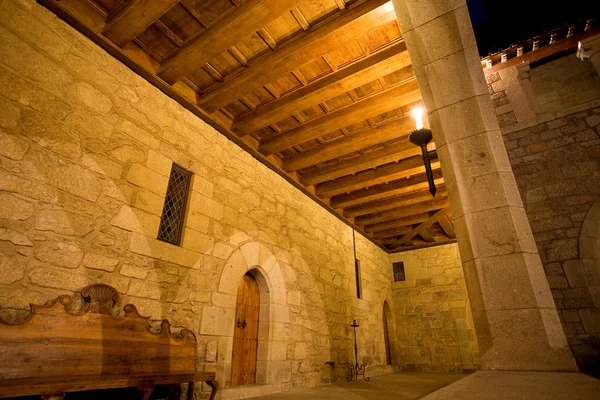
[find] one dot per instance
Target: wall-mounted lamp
(421, 137)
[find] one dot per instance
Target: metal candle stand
(357, 369)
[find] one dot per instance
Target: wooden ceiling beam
(245, 20)
(392, 234)
(385, 228)
(394, 202)
(419, 244)
(370, 106)
(364, 71)
(386, 173)
(402, 212)
(347, 145)
(135, 18)
(447, 226)
(423, 229)
(320, 40)
(394, 188)
(372, 159)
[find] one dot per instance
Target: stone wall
(87, 147)
(434, 325)
(564, 83)
(555, 157)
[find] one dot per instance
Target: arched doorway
(386, 334)
(245, 335)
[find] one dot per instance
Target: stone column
(589, 49)
(515, 317)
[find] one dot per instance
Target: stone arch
(589, 240)
(385, 303)
(256, 259)
(589, 251)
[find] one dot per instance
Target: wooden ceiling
(319, 90)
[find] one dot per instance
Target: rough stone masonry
(87, 147)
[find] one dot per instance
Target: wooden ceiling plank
(403, 212)
(395, 188)
(448, 226)
(419, 245)
(366, 70)
(238, 55)
(426, 235)
(246, 19)
(424, 227)
(266, 36)
(300, 18)
(372, 159)
(401, 223)
(134, 19)
(169, 33)
(408, 167)
(341, 4)
(354, 113)
(188, 5)
(320, 40)
(394, 202)
(350, 144)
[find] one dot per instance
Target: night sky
(500, 23)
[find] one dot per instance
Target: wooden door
(245, 336)
(386, 339)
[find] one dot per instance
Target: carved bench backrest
(54, 341)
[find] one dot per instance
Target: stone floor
(488, 385)
(400, 386)
(509, 385)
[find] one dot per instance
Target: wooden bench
(57, 350)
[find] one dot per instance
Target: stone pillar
(515, 317)
(589, 49)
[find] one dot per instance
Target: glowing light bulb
(417, 114)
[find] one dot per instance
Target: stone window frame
(176, 196)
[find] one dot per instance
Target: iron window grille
(171, 221)
(399, 271)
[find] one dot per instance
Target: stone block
(224, 300)
(590, 318)
(14, 237)
(136, 220)
(575, 273)
(206, 206)
(159, 163)
(101, 262)
(51, 134)
(63, 223)
(14, 208)
(136, 132)
(150, 202)
(149, 290)
(280, 371)
(93, 98)
(12, 147)
(9, 115)
(202, 186)
(12, 268)
(300, 351)
(58, 279)
(198, 241)
(61, 254)
(102, 165)
(46, 167)
(278, 350)
(217, 321)
(146, 178)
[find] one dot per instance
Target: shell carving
(102, 298)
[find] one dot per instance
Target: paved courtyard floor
(484, 385)
(399, 386)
